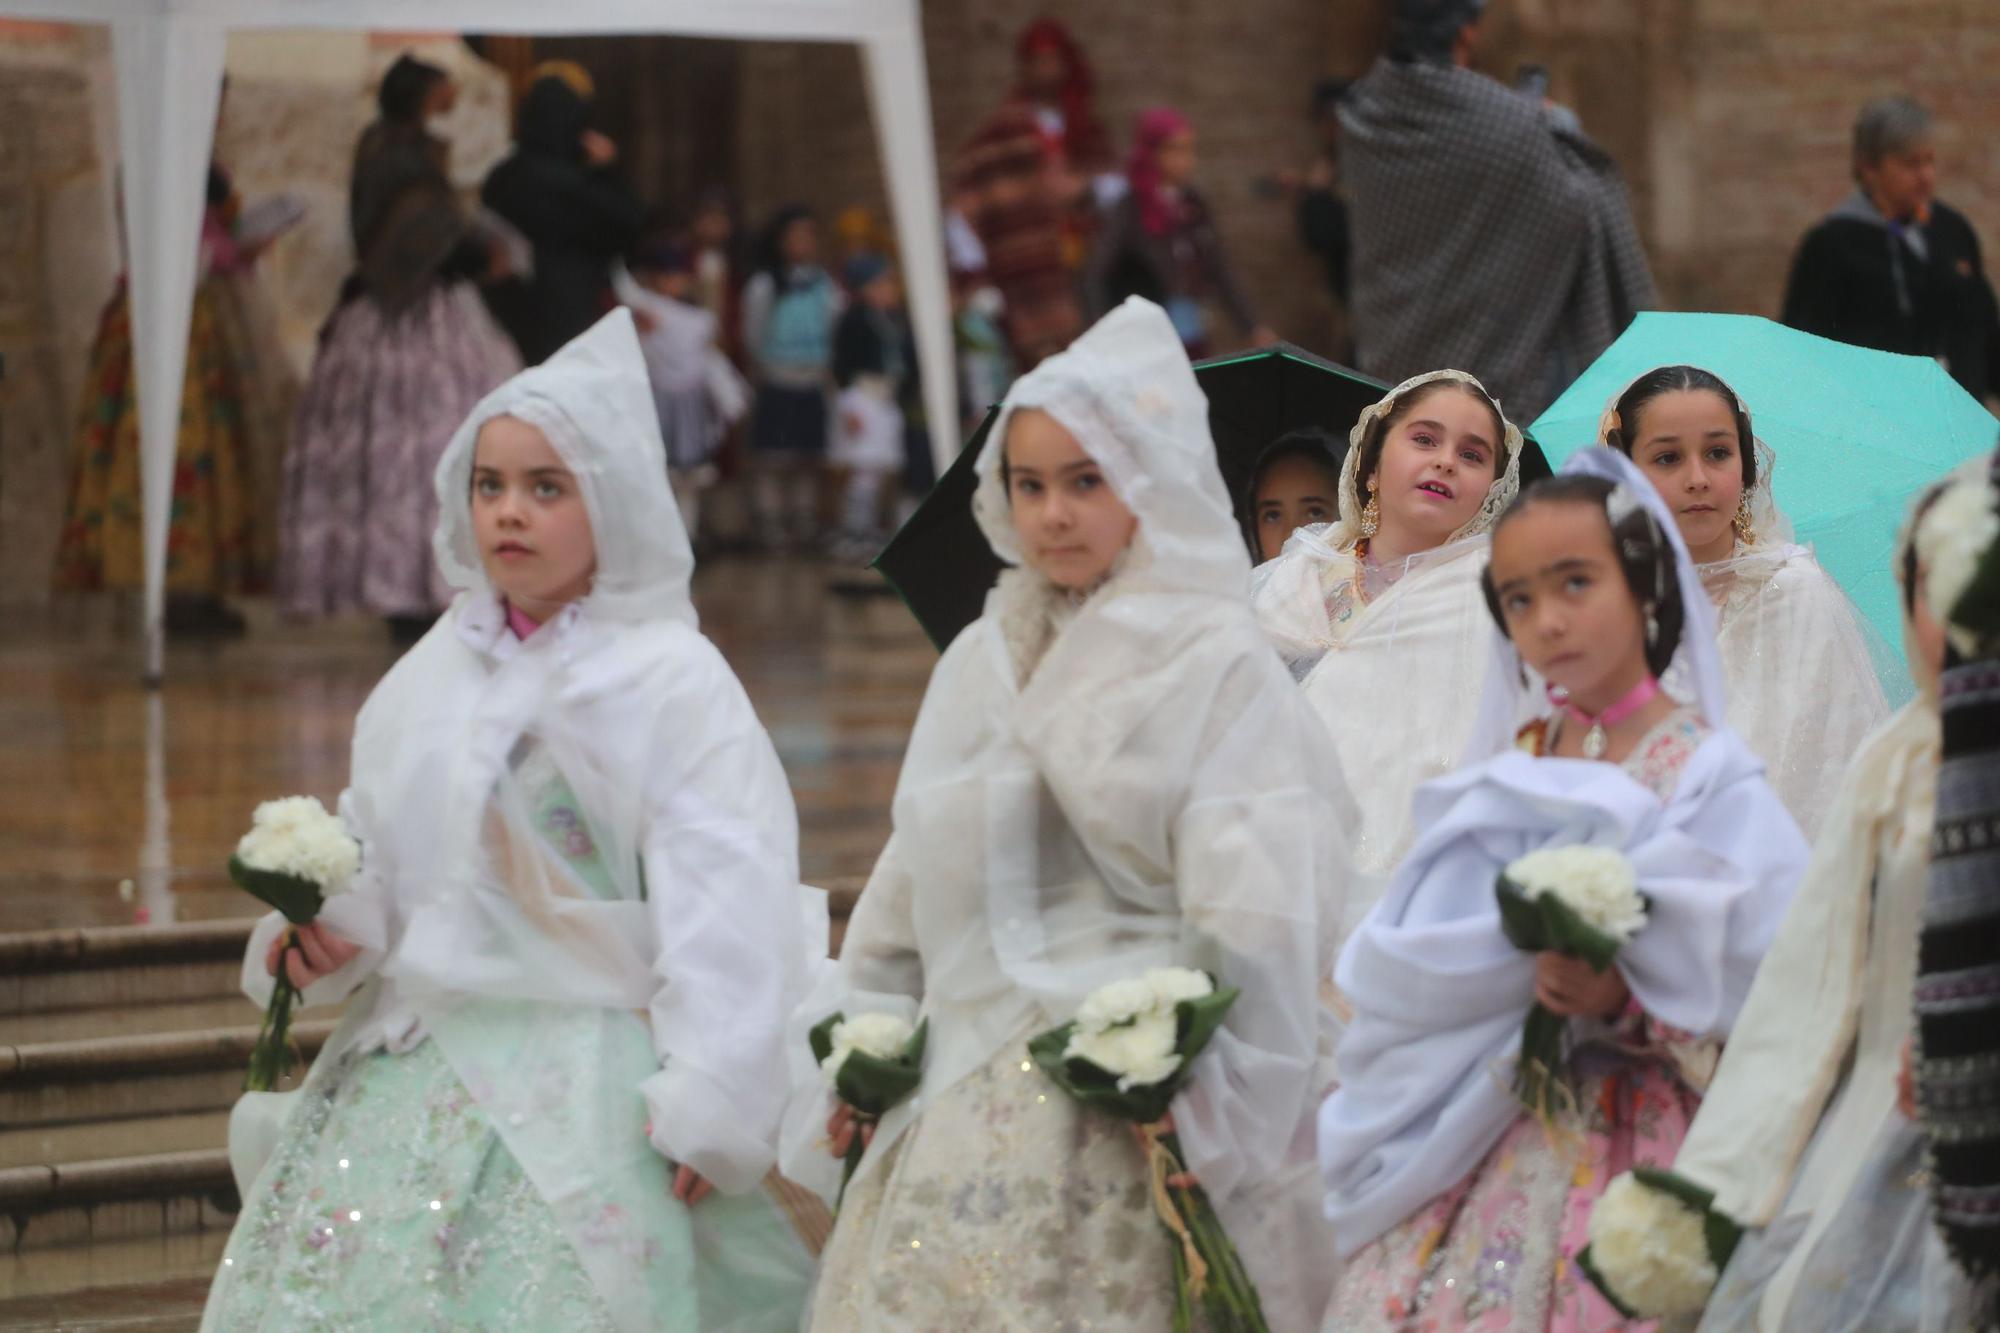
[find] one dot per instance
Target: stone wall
(1732, 117)
(57, 263)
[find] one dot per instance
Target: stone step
(100, 967)
(133, 1020)
(129, 1078)
(150, 1285)
(37, 1145)
(116, 1199)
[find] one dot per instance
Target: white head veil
(1511, 694)
(593, 401)
(1341, 534)
(1126, 391)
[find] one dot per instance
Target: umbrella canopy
(1857, 432)
(940, 561)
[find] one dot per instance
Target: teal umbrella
(1858, 433)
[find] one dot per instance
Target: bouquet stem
(1207, 1267)
(270, 1058)
(852, 1161)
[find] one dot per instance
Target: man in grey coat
(1489, 234)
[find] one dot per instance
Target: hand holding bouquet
(1127, 1054)
(295, 856)
(1583, 903)
(872, 1062)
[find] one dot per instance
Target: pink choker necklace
(1594, 740)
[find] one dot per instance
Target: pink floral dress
(1497, 1251)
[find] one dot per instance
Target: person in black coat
(1891, 267)
(560, 189)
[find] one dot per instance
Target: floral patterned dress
(1497, 1252)
(393, 1200)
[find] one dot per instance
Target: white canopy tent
(168, 55)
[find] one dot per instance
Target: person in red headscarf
(1160, 241)
(1022, 191)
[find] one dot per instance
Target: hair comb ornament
(1609, 424)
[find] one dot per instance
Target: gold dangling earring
(1371, 513)
(1746, 531)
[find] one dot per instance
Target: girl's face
(529, 517)
(800, 243)
(1685, 442)
(1072, 525)
(1177, 158)
(1566, 604)
(1295, 491)
(1437, 463)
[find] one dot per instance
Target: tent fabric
(168, 58)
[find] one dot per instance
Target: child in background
(985, 366)
(874, 367)
(789, 309)
(1295, 483)
(696, 392)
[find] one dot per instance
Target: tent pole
(900, 103)
(169, 84)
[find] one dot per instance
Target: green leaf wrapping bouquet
(295, 856)
(872, 1062)
(1127, 1054)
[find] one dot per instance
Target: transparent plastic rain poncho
(692, 934)
(1805, 673)
(1395, 680)
(1439, 995)
(1097, 788)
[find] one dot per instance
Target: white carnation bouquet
(295, 856)
(871, 1061)
(1127, 1054)
(1657, 1245)
(1580, 901)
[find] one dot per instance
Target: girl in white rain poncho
(1454, 1206)
(1110, 772)
(1800, 669)
(575, 940)
(1379, 612)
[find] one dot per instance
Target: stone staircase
(121, 1051)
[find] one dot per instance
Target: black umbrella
(941, 565)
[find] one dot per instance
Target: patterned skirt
(385, 396)
(1003, 1206)
(394, 1201)
(215, 525)
(1496, 1253)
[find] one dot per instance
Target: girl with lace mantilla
(575, 941)
(1803, 675)
(1110, 772)
(1454, 1207)
(1383, 603)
